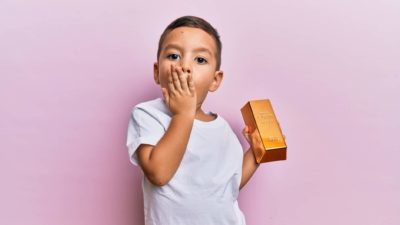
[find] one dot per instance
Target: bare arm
(159, 163)
(249, 167)
(250, 164)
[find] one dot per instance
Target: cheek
(202, 83)
(164, 71)
(202, 76)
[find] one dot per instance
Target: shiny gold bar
(259, 114)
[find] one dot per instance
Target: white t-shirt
(205, 187)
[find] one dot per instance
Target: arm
(160, 162)
(249, 167)
(250, 164)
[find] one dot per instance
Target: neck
(202, 116)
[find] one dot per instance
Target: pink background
(70, 72)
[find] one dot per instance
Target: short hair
(195, 22)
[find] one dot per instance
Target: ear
(156, 73)
(218, 76)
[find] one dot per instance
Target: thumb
(245, 132)
(246, 129)
(249, 129)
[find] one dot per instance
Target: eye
(201, 60)
(173, 56)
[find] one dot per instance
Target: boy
(192, 161)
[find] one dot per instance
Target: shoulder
(153, 110)
(151, 107)
(151, 104)
(226, 127)
(221, 120)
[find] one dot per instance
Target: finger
(190, 82)
(171, 87)
(246, 133)
(246, 129)
(255, 130)
(175, 78)
(249, 129)
(255, 136)
(170, 74)
(183, 79)
(165, 95)
(246, 137)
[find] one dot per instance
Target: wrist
(254, 156)
(184, 116)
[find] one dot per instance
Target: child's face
(195, 51)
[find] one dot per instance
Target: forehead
(190, 38)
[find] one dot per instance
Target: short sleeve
(143, 128)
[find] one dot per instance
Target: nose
(186, 66)
(187, 69)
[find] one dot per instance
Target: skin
(186, 72)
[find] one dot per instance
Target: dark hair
(195, 22)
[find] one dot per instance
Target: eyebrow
(200, 49)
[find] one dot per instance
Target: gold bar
(259, 114)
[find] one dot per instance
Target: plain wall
(71, 71)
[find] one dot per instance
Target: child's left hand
(253, 137)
